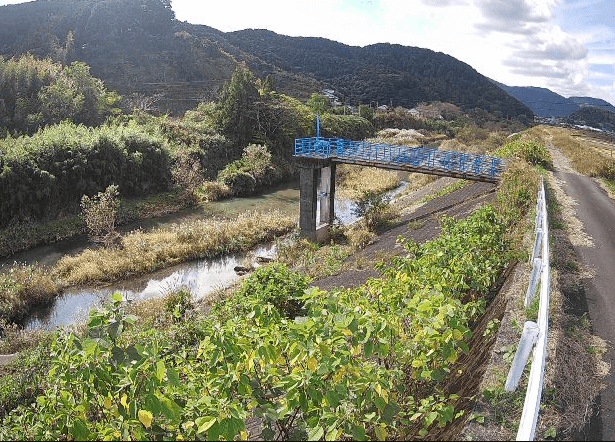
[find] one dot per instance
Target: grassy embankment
(373, 371)
(584, 156)
(574, 370)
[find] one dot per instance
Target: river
(202, 277)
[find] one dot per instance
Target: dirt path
(593, 239)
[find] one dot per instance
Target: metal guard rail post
(534, 333)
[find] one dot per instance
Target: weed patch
(144, 252)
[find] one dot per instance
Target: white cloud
(514, 17)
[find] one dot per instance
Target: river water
(202, 277)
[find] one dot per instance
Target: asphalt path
(596, 211)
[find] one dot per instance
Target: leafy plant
(375, 210)
(99, 214)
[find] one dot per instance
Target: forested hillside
(542, 101)
(139, 49)
(594, 117)
(587, 111)
(383, 73)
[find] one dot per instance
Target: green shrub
(531, 150)
(212, 191)
(252, 171)
(376, 211)
(178, 304)
(47, 174)
(351, 127)
(36, 93)
(363, 363)
(240, 183)
(607, 170)
(273, 284)
(516, 191)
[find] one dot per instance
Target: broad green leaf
(331, 434)
(368, 348)
(170, 408)
(332, 398)
(153, 404)
(358, 432)
(381, 433)
(424, 306)
(173, 376)
(312, 363)
(303, 400)
(160, 370)
(316, 433)
(80, 430)
(204, 423)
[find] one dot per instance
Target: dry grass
(144, 252)
(407, 137)
(24, 287)
(604, 148)
(584, 158)
(354, 180)
(15, 339)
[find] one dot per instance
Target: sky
(567, 46)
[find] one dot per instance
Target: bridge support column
(316, 191)
(326, 194)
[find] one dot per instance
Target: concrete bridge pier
(317, 196)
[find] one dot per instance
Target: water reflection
(201, 277)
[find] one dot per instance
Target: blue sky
(567, 46)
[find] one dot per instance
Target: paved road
(597, 213)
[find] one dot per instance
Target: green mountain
(593, 116)
(593, 102)
(139, 49)
(542, 101)
(581, 111)
(380, 73)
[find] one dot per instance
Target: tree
(237, 107)
(319, 102)
(37, 93)
(366, 112)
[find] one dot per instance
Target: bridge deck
(421, 159)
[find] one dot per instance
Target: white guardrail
(534, 333)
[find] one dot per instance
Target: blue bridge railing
(425, 158)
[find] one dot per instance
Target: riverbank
(27, 287)
(23, 236)
(188, 329)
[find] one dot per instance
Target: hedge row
(47, 174)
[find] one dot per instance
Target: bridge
(318, 156)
